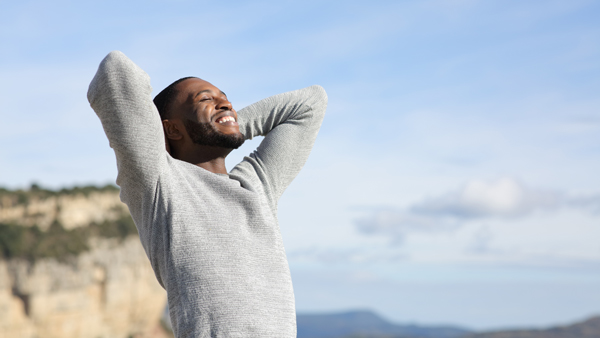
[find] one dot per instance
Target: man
(212, 237)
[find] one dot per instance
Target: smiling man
(212, 237)
(199, 122)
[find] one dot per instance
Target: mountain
(587, 329)
(366, 324)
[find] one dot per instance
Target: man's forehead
(193, 84)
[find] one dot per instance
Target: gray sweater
(213, 240)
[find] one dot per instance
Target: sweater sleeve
(120, 94)
(290, 123)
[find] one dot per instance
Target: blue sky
(455, 176)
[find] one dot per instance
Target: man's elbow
(319, 98)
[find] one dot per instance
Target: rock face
(109, 291)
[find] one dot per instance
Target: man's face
(207, 115)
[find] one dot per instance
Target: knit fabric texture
(213, 240)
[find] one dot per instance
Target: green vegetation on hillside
(20, 196)
(31, 243)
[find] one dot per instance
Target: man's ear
(172, 130)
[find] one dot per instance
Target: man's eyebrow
(222, 92)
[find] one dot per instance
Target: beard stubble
(207, 135)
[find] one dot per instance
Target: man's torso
(217, 250)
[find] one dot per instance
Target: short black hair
(163, 100)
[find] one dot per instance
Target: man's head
(194, 112)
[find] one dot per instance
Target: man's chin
(237, 140)
(205, 134)
(224, 141)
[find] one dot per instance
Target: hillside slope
(366, 324)
(587, 329)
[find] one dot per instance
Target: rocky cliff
(71, 266)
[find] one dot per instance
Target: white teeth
(226, 119)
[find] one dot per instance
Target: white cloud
(591, 203)
(502, 201)
(397, 224)
(505, 197)
(502, 198)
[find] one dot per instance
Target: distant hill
(586, 329)
(366, 324)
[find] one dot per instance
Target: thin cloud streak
(505, 197)
(502, 199)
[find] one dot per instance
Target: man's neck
(206, 157)
(216, 166)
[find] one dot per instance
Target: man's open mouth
(225, 119)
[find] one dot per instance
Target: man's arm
(120, 94)
(290, 123)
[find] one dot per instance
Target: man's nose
(224, 105)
